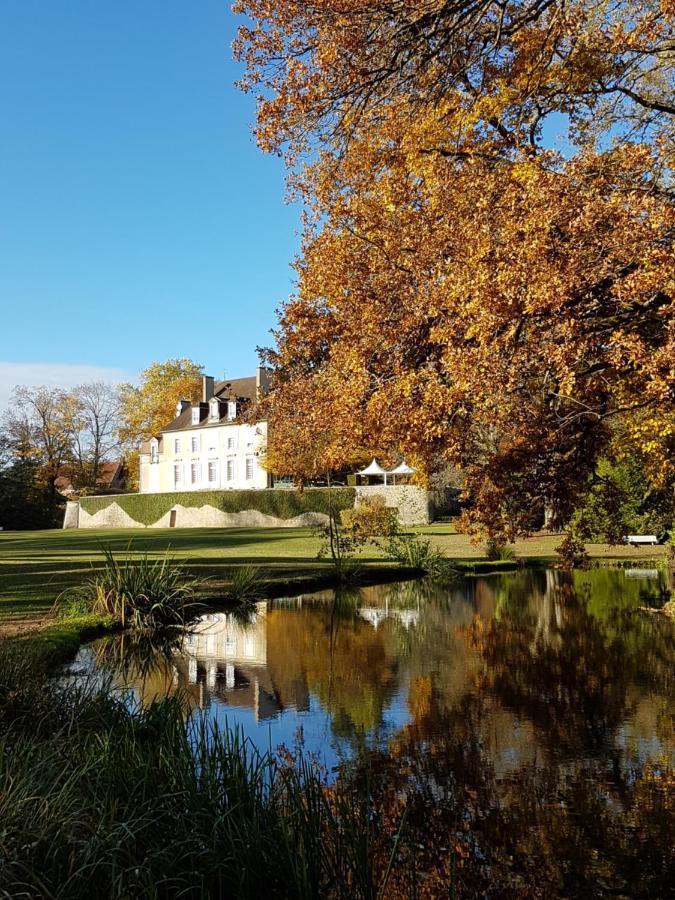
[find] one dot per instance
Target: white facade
(211, 457)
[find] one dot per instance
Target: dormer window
(195, 415)
(231, 409)
(214, 409)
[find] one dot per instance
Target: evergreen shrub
(370, 517)
(282, 504)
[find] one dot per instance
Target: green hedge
(282, 504)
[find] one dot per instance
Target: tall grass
(416, 553)
(137, 591)
(97, 800)
(245, 584)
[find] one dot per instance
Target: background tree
(23, 499)
(38, 433)
(95, 418)
(621, 500)
(145, 409)
(468, 295)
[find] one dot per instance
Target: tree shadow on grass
(89, 542)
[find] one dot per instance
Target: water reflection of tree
(549, 831)
(522, 776)
(354, 668)
(573, 673)
(348, 665)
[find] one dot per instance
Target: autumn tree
(468, 293)
(147, 407)
(37, 431)
(23, 499)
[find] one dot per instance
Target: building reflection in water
(226, 658)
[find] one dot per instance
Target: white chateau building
(208, 446)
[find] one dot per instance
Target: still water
(531, 713)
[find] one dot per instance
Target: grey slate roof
(243, 390)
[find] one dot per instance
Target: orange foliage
(467, 294)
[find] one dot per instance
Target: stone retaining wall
(113, 516)
(71, 518)
(414, 504)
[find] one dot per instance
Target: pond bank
(60, 637)
(57, 641)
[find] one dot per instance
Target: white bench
(641, 539)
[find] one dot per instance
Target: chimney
(181, 406)
(262, 381)
(208, 388)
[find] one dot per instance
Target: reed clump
(413, 552)
(496, 551)
(245, 584)
(137, 591)
(100, 800)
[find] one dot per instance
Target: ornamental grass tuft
(245, 584)
(137, 591)
(416, 553)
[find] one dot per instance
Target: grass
(97, 800)
(137, 590)
(539, 547)
(35, 566)
(55, 645)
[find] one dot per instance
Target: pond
(525, 718)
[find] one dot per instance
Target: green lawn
(541, 546)
(36, 565)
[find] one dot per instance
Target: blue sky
(138, 220)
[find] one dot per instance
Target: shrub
(137, 591)
(498, 550)
(370, 518)
(416, 553)
(339, 546)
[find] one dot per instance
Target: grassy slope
(35, 566)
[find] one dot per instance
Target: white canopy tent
(374, 469)
(402, 469)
